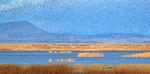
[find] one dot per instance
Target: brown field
(75, 69)
(75, 47)
(139, 55)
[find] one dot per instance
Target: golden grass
(90, 55)
(74, 69)
(74, 47)
(36, 69)
(62, 52)
(94, 67)
(69, 60)
(139, 55)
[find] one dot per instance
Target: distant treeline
(75, 69)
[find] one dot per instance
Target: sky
(83, 17)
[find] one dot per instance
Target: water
(42, 57)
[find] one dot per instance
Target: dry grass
(94, 67)
(69, 60)
(139, 55)
(76, 69)
(90, 55)
(36, 69)
(75, 47)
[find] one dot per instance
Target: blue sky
(86, 17)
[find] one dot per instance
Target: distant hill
(20, 29)
(23, 31)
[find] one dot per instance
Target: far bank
(73, 47)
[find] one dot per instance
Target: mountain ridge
(23, 31)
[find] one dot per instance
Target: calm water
(42, 57)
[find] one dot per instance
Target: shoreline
(73, 47)
(138, 55)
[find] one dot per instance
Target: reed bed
(75, 69)
(73, 47)
(138, 55)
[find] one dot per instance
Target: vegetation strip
(75, 69)
(74, 47)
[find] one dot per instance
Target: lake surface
(42, 57)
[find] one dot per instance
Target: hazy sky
(80, 16)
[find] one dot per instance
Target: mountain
(23, 31)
